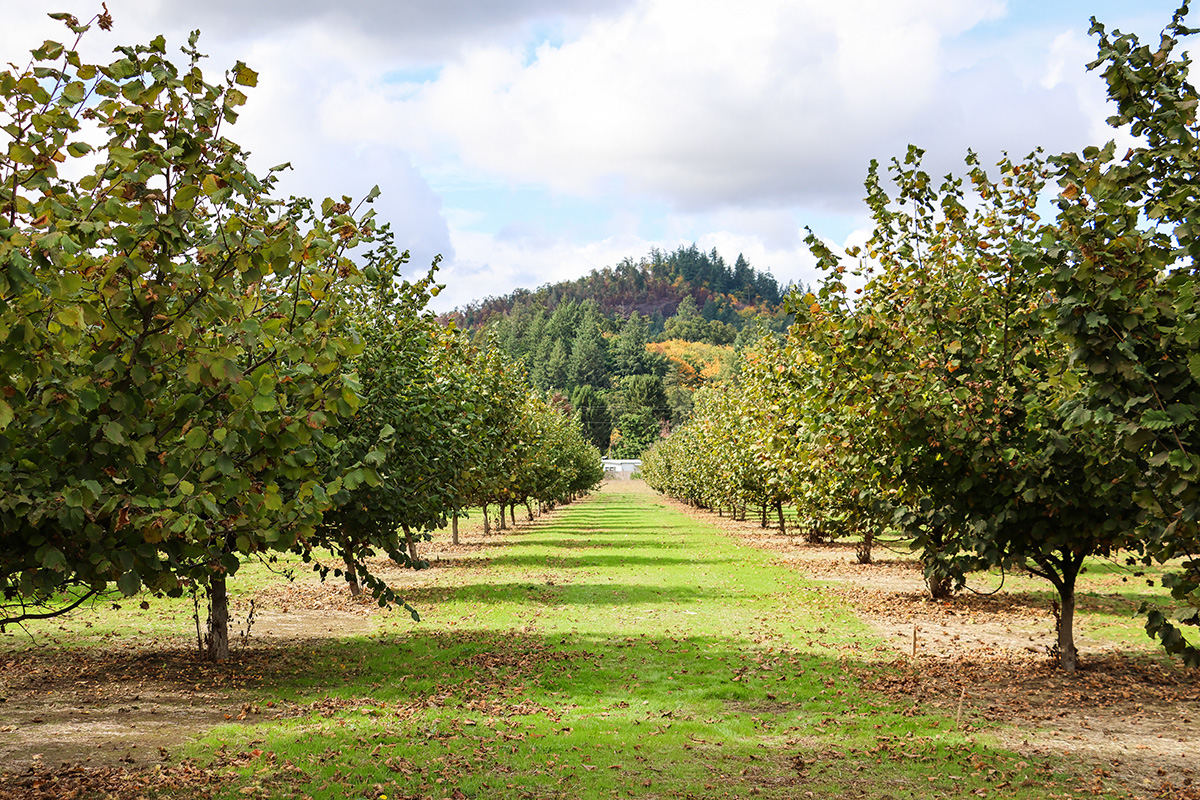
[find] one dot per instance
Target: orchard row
(1005, 390)
(194, 372)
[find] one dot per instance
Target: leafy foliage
(1125, 271)
(196, 373)
(167, 332)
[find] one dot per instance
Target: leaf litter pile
(87, 722)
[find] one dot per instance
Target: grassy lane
(618, 650)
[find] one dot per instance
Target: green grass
(621, 650)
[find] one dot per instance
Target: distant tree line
(628, 390)
(653, 287)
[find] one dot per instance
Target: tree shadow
(573, 593)
(615, 560)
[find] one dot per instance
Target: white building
(621, 468)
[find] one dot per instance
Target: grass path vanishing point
(620, 649)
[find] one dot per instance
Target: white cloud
(700, 102)
(680, 120)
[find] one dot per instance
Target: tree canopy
(197, 372)
(1003, 390)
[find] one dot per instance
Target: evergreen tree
(629, 351)
(743, 279)
(557, 370)
(594, 417)
(589, 357)
(656, 324)
(564, 322)
(636, 433)
(719, 276)
(644, 394)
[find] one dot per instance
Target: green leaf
(74, 92)
(89, 399)
(129, 583)
(71, 317)
(244, 76)
(53, 558)
(185, 196)
(114, 433)
(196, 439)
(21, 154)
(1156, 420)
(1180, 460)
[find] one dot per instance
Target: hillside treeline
(654, 287)
(626, 347)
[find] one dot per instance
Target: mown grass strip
(621, 650)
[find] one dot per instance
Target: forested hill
(627, 347)
(653, 287)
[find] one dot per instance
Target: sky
(532, 141)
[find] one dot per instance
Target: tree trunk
(1068, 656)
(763, 521)
(782, 523)
(938, 579)
(1063, 572)
(529, 509)
(218, 619)
(487, 529)
(351, 576)
(454, 529)
(938, 585)
(512, 512)
(412, 545)
(502, 526)
(863, 550)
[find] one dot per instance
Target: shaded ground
(127, 707)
